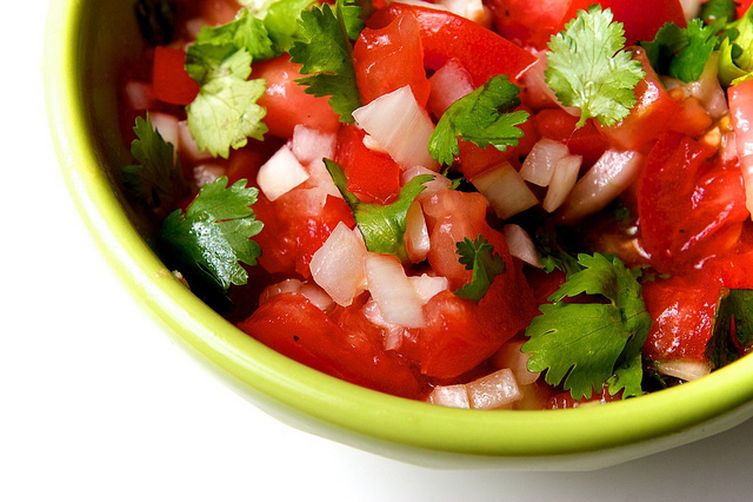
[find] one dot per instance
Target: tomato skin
(528, 23)
(682, 309)
(294, 327)
(445, 36)
(642, 18)
(372, 176)
(743, 6)
(295, 227)
(389, 58)
(586, 141)
(286, 102)
(688, 209)
(170, 82)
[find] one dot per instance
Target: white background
(97, 403)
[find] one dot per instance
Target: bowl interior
(89, 42)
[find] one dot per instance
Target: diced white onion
(428, 287)
(139, 95)
(451, 396)
(426, 5)
(194, 26)
(438, 183)
(188, 147)
(393, 292)
(416, 234)
(450, 83)
(728, 148)
(538, 167)
(709, 91)
(510, 356)
(521, 246)
(684, 370)
(203, 174)
(310, 145)
(317, 296)
(691, 8)
(565, 176)
(494, 391)
(280, 174)
(469, 9)
(400, 126)
(167, 127)
(391, 333)
(506, 191)
(280, 288)
(321, 179)
(608, 178)
(338, 266)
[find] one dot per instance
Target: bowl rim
(327, 399)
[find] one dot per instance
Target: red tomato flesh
(170, 82)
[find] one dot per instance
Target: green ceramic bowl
(87, 41)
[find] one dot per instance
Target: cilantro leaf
(733, 327)
(156, 20)
(224, 113)
(281, 21)
(326, 54)
(213, 236)
(157, 178)
(715, 10)
(382, 226)
(682, 52)
(478, 255)
(483, 117)
(584, 345)
(736, 51)
(590, 69)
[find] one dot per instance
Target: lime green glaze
(615, 432)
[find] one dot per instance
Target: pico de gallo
(496, 204)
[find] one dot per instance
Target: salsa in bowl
(427, 224)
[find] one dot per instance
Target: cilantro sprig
(733, 327)
(325, 51)
(212, 237)
(589, 68)
(682, 53)
(382, 226)
(717, 10)
(582, 346)
(157, 179)
(479, 256)
(483, 117)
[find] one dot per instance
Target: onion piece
(288, 286)
(451, 396)
(506, 191)
(188, 147)
(138, 95)
(427, 287)
(684, 370)
(437, 184)
(494, 391)
(709, 91)
(203, 174)
(608, 178)
(392, 335)
(393, 292)
(564, 179)
(338, 266)
(521, 246)
(317, 296)
(450, 83)
(511, 356)
(691, 8)
(310, 145)
(399, 125)
(280, 174)
(469, 9)
(416, 237)
(538, 167)
(167, 127)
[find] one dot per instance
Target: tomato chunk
(287, 103)
(372, 176)
(587, 141)
(294, 327)
(529, 23)
(445, 36)
(170, 82)
(389, 58)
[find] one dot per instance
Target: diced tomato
(654, 112)
(736, 271)
(372, 176)
(286, 102)
(295, 227)
(544, 285)
(691, 119)
(559, 125)
(682, 309)
(642, 18)
(170, 82)
(689, 209)
(474, 160)
(389, 58)
(743, 6)
(529, 23)
(445, 36)
(290, 324)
